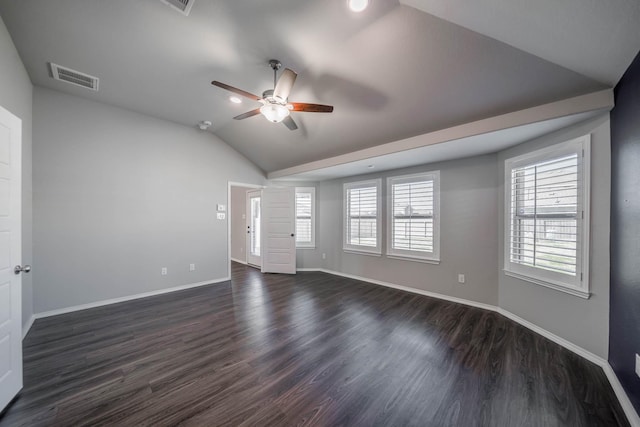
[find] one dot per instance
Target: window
(362, 216)
(413, 216)
(547, 217)
(305, 217)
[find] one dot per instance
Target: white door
(254, 224)
(278, 227)
(10, 256)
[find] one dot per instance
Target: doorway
(238, 218)
(261, 227)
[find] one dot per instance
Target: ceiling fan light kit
(275, 102)
(275, 113)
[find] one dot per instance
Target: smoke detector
(204, 125)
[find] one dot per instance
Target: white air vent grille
(183, 6)
(74, 77)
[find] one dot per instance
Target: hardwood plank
(310, 349)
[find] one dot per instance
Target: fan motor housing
(267, 95)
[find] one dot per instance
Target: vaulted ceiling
(596, 38)
(392, 72)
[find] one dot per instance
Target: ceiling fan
(275, 102)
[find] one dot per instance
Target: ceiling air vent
(74, 77)
(183, 6)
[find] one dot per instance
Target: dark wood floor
(310, 349)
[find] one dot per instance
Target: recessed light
(358, 5)
(235, 100)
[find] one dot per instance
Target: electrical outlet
(221, 215)
(164, 271)
(324, 256)
(460, 278)
(192, 267)
(638, 365)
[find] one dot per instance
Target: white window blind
(546, 216)
(413, 216)
(362, 216)
(305, 217)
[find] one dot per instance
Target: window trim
(367, 250)
(312, 191)
(409, 255)
(580, 285)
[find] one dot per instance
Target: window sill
(562, 288)
(305, 247)
(414, 259)
(362, 252)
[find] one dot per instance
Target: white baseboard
(239, 261)
(26, 328)
(412, 290)
(127, 298)
(594, 358)
(626, 404)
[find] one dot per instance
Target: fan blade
(285, 84)
(248, 114)
(311, 108)
(290, 123)
(236, 90)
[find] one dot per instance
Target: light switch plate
(222, 208)
(461, 278)
(221, 215)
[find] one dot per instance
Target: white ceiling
(597, 38)
(391, 72)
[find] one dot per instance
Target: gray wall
(469, 205)
(237, 212)
(16, 95)
(583, 322)
(119, 195)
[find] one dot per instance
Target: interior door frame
(229, 185)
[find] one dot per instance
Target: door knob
(19, 269)
(292, 234)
